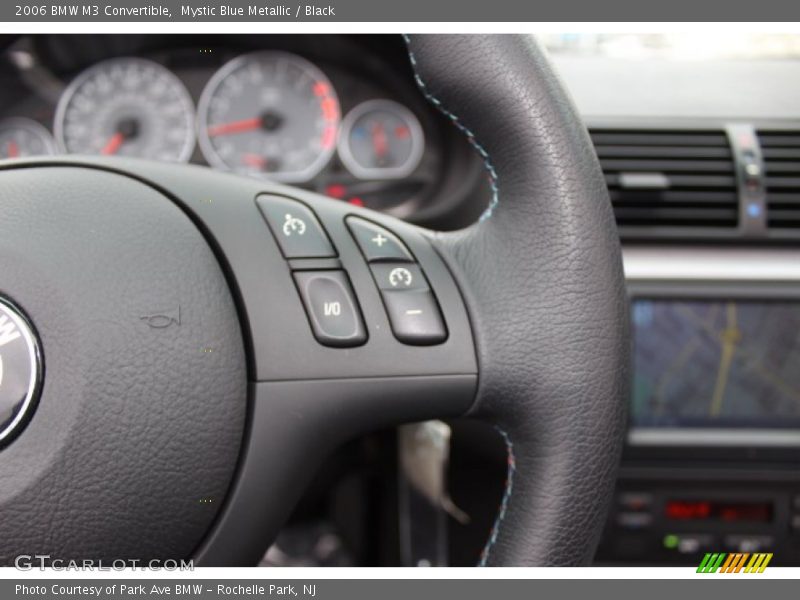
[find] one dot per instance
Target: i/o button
(332, 309)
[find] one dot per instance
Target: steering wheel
(203, 340)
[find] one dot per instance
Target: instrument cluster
(270, 113)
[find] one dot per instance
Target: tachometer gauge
(127, 107)
(381, 139)
(21, 137)
(269, 114)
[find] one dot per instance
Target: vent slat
(785, 200)
(699, 182)
(672, 198)
(783, 218)
(705, 214)
(780, 140)
(781, 151)
(659, 138)
(775, 166)
(666, 166)
(783, 183)
(669, 217)
(662, 152)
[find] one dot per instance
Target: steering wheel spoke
(294, 425)
(314, 385)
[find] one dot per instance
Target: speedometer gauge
(127, 107)
(269, 114)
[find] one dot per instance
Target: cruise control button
(331, 307)
(377, 243)
(415, 317)
(399, 276)
(297, 230)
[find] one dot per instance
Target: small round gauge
(127, 107)
(270, 114)
(381, 139)
(21, 137)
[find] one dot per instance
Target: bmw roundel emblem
(20, 371)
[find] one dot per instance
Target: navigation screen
(716, 364)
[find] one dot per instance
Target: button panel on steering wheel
(410, 303)
(331, 305)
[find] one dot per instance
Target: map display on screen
(716, 364)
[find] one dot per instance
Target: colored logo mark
(743, 562)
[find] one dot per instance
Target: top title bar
(463, 11)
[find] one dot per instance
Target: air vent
(781, 152)
(679, 181)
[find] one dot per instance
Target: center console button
(749, 543)
(689, 543)
(635, 501)
(634, 520)
(331, 306)
(794, 523)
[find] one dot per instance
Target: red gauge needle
(13, 149)
(254, 160)
(379, 141)
(236, 126)
(113, 144)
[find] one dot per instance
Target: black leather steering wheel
(189, 392)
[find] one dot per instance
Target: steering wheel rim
(552, 223)
(532, 297)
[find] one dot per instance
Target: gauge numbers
(127, 107)
(271, 115)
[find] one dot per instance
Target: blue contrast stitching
(509, 489)
(487, 161)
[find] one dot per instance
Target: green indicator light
(671, 541)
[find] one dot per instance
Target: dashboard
(702, 160)
(339, 115)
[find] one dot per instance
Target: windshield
(675, 46)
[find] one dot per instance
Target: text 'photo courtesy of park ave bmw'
(400, 300)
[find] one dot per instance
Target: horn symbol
(163, 320)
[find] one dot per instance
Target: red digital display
(705, 510)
